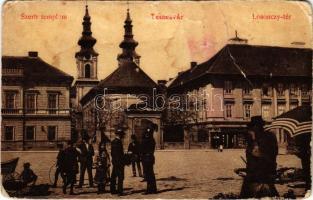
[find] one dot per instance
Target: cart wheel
(52, 173)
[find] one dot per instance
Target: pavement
(200, 174)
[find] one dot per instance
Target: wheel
(52, 173)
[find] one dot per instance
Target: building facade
(238, 82)
(35, 104)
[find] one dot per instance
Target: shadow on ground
(159, 191)
(172, 178)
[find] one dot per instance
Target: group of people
(139, 153)
(78, 158)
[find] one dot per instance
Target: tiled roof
(251, 60)
(128, 74)
(35, 69)
(127, 77)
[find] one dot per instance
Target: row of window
(281, 108)
(267, 89)
(31, 101)
(30, 133)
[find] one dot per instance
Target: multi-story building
(238, 82)
(35, 103)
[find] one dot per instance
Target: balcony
(36, 112)
(247, 97)
(281, 97)
(11, 111)
(305, 97)
(293, 98)
(266, 98)
(12, 72)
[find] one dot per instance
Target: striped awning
(293, 127)
(296, 122)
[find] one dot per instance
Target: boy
(28, 175)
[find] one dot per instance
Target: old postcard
(156, 99)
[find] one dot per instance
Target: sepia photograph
(156, 99)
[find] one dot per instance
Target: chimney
(193, 64)
(33, 54)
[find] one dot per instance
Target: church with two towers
(120, 90)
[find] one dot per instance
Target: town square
(180, 174)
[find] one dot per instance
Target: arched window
(87, 71)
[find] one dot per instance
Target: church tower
(128, 45)
(86, 60)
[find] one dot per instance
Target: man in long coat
(86, 160)
(117, 154)
(70, 166)
(261, 156)
(148, 160)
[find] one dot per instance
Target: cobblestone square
(180, 174)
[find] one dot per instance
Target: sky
(166, 46)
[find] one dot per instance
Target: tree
(106, 117)
(186, 116)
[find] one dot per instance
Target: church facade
(123, 98)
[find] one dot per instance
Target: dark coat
(86, 153)
(134, 147)
(147, 150)
(261, 162)
(148, 145)
(70, 160)
(60, 160)
(117, 152)
(28, 175)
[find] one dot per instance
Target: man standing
(59, 166)
(261, 156)
(134, 149)
(148, 160)
(70, 168)
(86, 160)
(117, 154)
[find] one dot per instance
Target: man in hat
(117, 154)
(86, 159)
(261, 153)
(148, 160)
(70, 166)
(134, 149)
(59, 165)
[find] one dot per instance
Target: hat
(256, 121)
